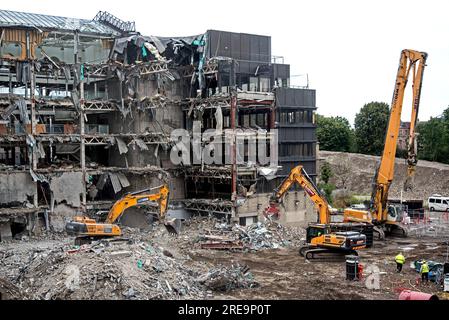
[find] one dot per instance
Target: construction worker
(424, 271)
(400, 260)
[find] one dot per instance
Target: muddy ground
(50, 267)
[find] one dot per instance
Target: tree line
(368, 134)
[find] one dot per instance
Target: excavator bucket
(272, 211)
(173, 225)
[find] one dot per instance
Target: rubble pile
(222, 278)
(108, 271)
(139, 265)
(262, 235)
(270, 234)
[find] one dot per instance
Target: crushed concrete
(261, 235)
(140, 265)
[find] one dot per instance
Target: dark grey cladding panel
(236, 46)
(281, 70)
(225, 44)
(297, 134)
(265, 48)
(240, 46)
(254, 48)
(245, 47)
(289, 97)
(213, 43)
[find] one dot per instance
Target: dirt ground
(284, 274)
(172, 268)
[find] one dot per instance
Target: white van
(438, 203)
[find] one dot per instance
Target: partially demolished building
(88, 109)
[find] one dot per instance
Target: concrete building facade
(88, 109)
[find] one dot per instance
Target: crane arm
(134, 199)
(410, 61)
(298, 175)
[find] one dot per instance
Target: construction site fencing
(421, 222)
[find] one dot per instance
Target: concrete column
(83, 144)
(33, 124)
(233, 148)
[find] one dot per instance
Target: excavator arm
(137, 198)
(412, 160)
(298, 175)
(410, 62)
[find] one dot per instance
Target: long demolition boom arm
(298, 175)
(414, 62)
(136, 198)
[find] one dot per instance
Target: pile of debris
(118, 268)
(108, 270)
(224, 278)
(262, 235)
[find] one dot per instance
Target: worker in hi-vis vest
(424, 271)
(400, 260)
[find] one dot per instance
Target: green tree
(334, 133)
(370, 127)
(433, 139)
(326, 172)
(327, 188)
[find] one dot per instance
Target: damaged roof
(42, 21)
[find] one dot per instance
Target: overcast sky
(349, 49)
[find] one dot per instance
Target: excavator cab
(316, 230)
(395, 213)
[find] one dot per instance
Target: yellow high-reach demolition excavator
(387, 218)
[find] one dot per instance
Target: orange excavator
(387, 218)
(87, 229)
(321, 240)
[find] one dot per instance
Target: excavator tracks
(324, 254)
(379, 232)
(394, 230)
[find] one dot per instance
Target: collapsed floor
(262, 262)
